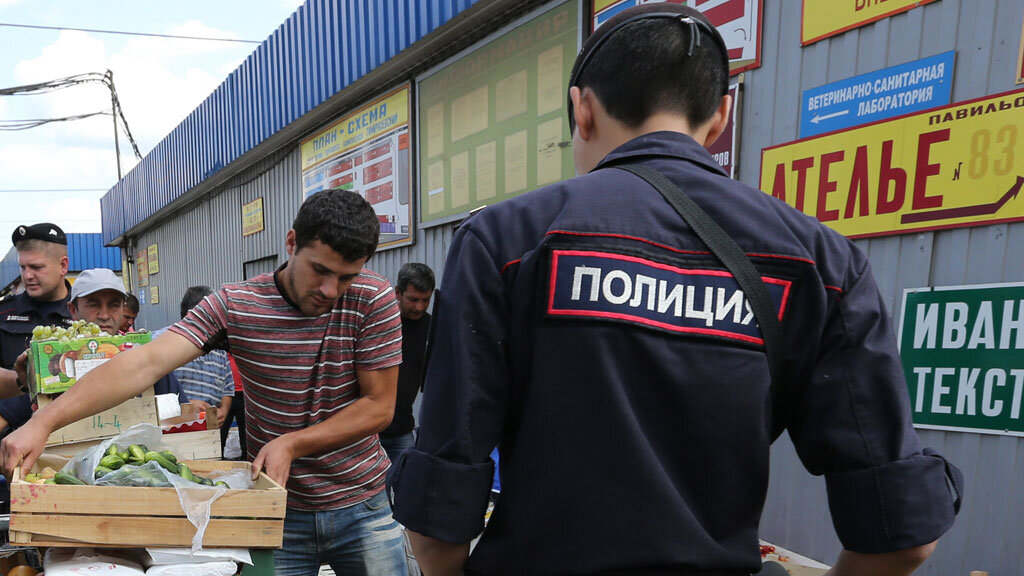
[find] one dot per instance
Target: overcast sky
(159, 82)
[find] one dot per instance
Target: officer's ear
(582, 111)
(72, 309)
(719, 120)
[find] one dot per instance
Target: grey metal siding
(276, 85)
(987, 535)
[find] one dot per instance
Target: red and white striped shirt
(300, 370)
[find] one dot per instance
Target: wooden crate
(105, 424)
(62, 515)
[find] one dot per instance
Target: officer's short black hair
(194, 295)
(132, 304)
(647, 67)
(33, 245)
(341, 219)
(416, 273)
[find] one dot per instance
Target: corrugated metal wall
(989, 534)
(325, 46)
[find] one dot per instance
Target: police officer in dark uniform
(586, 330)
(43, 259)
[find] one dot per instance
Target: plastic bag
(203, 569)
(196, 499)
(237, 479)
(161, 556)
(77, 561)
(83, 465)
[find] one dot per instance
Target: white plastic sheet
(78, 561)
(202, 569)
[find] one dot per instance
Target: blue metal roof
(85, 251)
(325, 46)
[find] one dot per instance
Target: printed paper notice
(486, 177)
(435, 188)
(515, 162)
(549, 81)
(435, 130)
(460, 179)
(510, 96)
(549, 153)
(469, 113)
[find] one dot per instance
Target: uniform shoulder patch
(607, 286)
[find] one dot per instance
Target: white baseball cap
(94, 280)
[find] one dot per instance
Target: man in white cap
(97, 296)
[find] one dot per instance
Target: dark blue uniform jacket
(591, 336)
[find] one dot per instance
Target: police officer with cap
(43, 259)
(634, 339)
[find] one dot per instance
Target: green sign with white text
(963, 355)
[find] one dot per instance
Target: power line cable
(12, 125)
(107, 79)
(125, 33)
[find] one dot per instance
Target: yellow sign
(824, 18)
(252, 217)
(371, 121)
(154, 294)
(142, 268)
(947, 167)
(154, 259)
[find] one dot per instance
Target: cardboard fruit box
(70, 515)
(55, 365)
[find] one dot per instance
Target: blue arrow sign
(878, 95)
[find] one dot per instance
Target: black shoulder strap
(737, 262)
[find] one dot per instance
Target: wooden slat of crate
(133, 516)
(78, 530)
(198, 445)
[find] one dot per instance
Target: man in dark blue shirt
(586, 331)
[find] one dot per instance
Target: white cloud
(48, 166)
(73, 214)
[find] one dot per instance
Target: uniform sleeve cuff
(441, 499)
(895, 506)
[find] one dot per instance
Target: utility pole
(113, 112)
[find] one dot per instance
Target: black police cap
(44, 231)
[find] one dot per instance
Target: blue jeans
(360, 540)
(395, 445)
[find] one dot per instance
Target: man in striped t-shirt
(318, 344)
